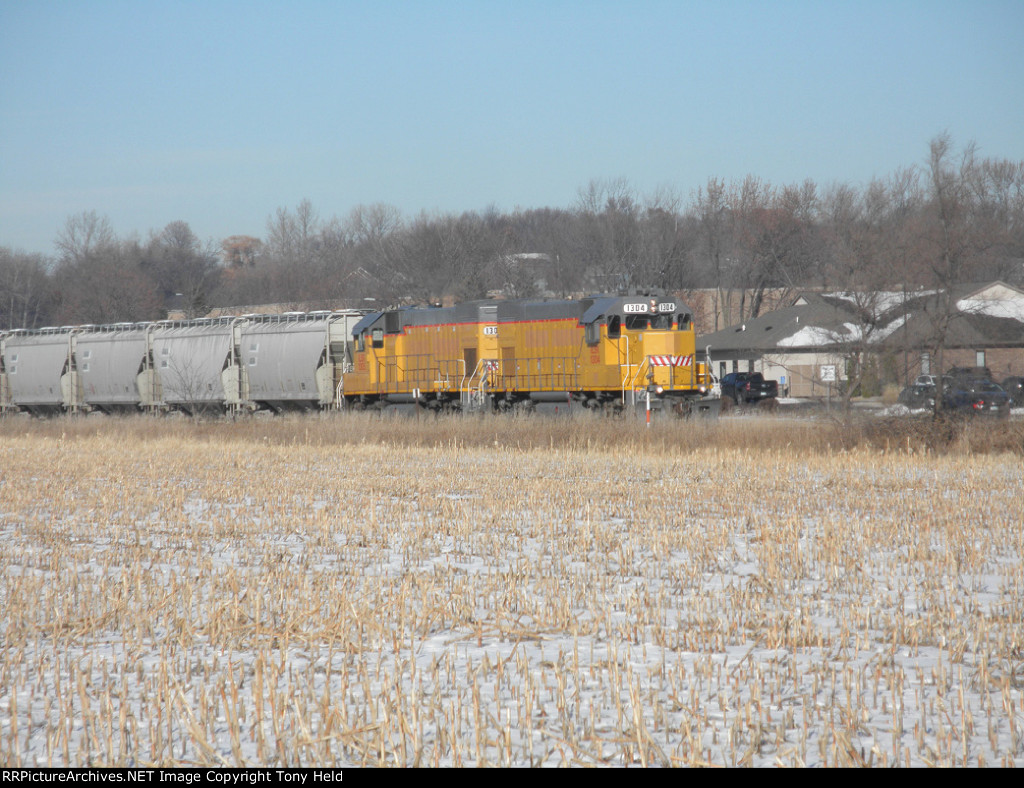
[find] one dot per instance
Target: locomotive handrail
(627, 375)
(465, 392)
(407, 372)
(565, 378)
(470, 377)
(630, 379)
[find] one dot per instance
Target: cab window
(614, 327)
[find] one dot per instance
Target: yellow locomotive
(602, 352)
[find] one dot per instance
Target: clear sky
(219, 112)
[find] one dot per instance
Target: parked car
(1014, 388)
(976, 396)
(933, 380)
(918, 396)
(743, 387)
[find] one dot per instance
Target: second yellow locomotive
(602, 352)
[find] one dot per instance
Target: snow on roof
(811, 336)
(882, 301)
(883, 332)
(993, 307)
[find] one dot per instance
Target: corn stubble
(346, 591)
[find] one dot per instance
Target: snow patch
(1011, 308)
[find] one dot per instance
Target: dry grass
(796, 437)
(493, 592)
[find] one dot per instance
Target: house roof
(965, 330)
(802, 325)
(987, 315)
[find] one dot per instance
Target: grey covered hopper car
(34, 369)
(276, 362)
(107, 366)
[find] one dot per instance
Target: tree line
(955, 217)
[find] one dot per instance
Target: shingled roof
(988, 315)
(805, 324)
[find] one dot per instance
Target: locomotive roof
(585, 310)
(598, 307)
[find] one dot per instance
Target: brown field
(347, 590)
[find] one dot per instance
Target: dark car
(744, 387)
(918, 396)
(976, 396)
(1014, 388)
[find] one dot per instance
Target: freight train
(601, 353)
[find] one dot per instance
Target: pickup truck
(744, 387)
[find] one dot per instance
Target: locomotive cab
(647, 343)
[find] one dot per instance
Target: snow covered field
(180, 601)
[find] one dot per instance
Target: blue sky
(218, 113)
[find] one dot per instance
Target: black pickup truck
(743, 387)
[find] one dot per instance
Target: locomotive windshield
(644, 322)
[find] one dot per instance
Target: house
(811, 346)
(986, 329)
(792, 345)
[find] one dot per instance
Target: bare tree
(292, 237)
(855, 265)
(713, 213)
(183, 266)
(24, 289)
(776, 233)
(606, 237)
(110, 285)
(82, 236)
(665, 243)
